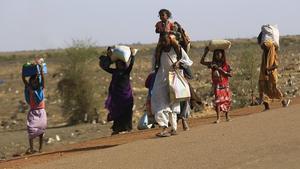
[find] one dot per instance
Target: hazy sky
(42, 24)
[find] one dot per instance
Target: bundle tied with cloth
(118, 52)
(123, 53)
(269, 33)
(219, 44)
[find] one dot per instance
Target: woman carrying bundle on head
(220, 73)
(120, 98)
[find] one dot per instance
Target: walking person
(120, 98)
(220, 73)
(166, 111)
(36, 117)
(268, 76)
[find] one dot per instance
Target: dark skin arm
(202, 61)
(107, 69)
(132, 59)
(223, 72)
(156, 30)
(24, 80)
(270, 69)
(42, 76)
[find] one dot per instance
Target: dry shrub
(244, 83)
(76, 87)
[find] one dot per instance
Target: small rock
(50, 140)
(57, 137)
(14, 122)
(103, 122)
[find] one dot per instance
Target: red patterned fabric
(164, 28)
(223, 99)
(221, 89)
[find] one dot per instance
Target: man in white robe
(164, 110)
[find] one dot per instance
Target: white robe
(161, 105)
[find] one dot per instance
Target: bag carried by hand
(178, 86)
(144, 122)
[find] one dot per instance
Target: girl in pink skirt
(37, 117)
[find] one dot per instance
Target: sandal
(217, 122)
(228, 119)
(185, 125)
(29, 151)
(173, 132)
(163, 134)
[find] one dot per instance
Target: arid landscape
(244, 57)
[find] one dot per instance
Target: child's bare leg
(158, 51)
(176, 47)
(31, 144)
(41, 142)
(30, 150)
(227, 116)
(218, 114)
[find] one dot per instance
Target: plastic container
(33, 69)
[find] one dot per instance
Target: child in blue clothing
(36, 117)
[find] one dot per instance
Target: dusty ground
(266, 140)
(13, 138)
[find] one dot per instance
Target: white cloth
(163, 118)
(270, 32)
(160, 100)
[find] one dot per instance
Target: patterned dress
(221, 88)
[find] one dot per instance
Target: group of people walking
(170, 54)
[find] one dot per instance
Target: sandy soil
(258, 140)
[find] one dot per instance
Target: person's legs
(162, 118)
(173, 121)
(31, 144)
(30, 150)
(262, 89)
(267, 106)
(41, 142)
(184, 113)
(227, 116)
(218, 114)
(185, 125)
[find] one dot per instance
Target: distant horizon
(52, 24)
(134, 43)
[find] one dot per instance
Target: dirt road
(262, 140)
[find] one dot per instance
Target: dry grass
(242, 49)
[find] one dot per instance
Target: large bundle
(219, 44)
(270, 32)
(120, 52)
(30, 69)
